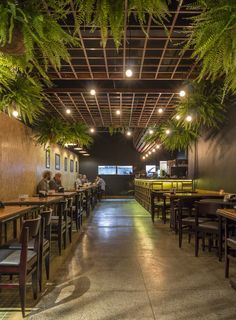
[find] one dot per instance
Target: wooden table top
(62, 194)
(192, 195)
(227, 213)
(13, 211)
(220, 201)
(34, 201)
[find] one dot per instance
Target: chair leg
(70, 233)
(22, 293)
(35, 284)
(59, 242)
(196, 244)
(65, 238)
(180, 234)
(47, 266)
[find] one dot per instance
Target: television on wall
(106, 170)
(124, 170)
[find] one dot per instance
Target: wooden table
(66, 194)
(11, 213)
(188, 195)
(224, 204)
(37, 201)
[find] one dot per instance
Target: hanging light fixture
(129, 71)
(151, 131)
(15, 113)
(118, 112)
(177, 117)
(168, 131)
(182, 93)
(189, 118)
(92, 92)
(68, 111)
(92, 130)
(129, 133)
(160, 110)
(158, 146)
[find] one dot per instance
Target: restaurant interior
(117, 151)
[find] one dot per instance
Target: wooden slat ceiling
(159, 69)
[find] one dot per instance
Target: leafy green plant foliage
(179, 138)
(23, 94)
(213, 38)
(53, 130)
(204, 104)
(109, 14)
(34, 36)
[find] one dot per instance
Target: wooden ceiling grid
(156, 58)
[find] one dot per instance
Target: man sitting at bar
(78, 181)
(43, 185)
(55, 183)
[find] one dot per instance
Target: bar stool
(23, 262)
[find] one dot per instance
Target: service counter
(144, 188)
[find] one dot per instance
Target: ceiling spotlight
(77, 148)
(167, 131)
(118, 112)
(71, 144)
(128, 133)
(160, 110)
(82, 151)
(68, 111)
(92, 92)
(153, 150)
(86, 155)
(15, 113)
(182, 93)
(189, 118)
(150, 131)
(128, 73)
(149, 152)
(144, 157)
(177, 117)
(147, 155)
(158, 146)
(92, 130)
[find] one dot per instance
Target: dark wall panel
(116, 150)
(213, 160)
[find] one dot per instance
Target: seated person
(43, 185)
(55, 183)
(78, 181)
(84, 179)
(101, 184)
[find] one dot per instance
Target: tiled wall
(22, 161)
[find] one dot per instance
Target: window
(124, 170)
(106, 169)
(150, 170)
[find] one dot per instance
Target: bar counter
(145, 188)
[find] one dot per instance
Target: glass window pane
(124, 170)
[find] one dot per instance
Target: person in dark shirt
(55, 183)
(43, 185)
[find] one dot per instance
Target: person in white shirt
(101, 184)
(78, 181)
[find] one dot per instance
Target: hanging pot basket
(16, 47)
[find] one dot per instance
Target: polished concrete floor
(124, 267)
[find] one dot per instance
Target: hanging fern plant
(204, 104)
(53, 130)
(24, 95)
(213, 38)
(31, 34)
(110, 15)
(173, 136)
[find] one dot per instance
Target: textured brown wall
(22, 161)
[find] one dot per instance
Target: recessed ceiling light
(177, 117)
(150, 131)
(167, 131)
(118, 112)
(92, 130)
(68, 111)
(160, 110)
(189, 118)
(182, 93)
(93, 92)
(15, 113)
(128, 73)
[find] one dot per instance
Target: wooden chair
(160, 204)
(209, 228)
(23, 262)
(69, 217)
(58, 225)
(77, 211)
(230, 244)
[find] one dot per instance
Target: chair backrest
(205, 209)
(46, 216)
(33, 226)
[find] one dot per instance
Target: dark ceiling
(159, 68)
